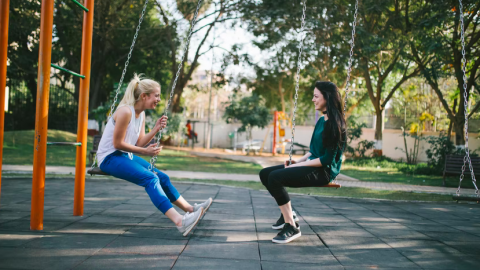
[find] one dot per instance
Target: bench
(453, 166)
(301, 147)
(96, 142)
(454, 163)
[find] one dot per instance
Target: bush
(354, 133)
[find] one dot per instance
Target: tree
(436, 48)
(382, 54)
(222, 11)
(250, 111)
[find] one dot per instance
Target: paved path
(344, 180)
(121, 229)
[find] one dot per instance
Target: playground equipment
(41, 118)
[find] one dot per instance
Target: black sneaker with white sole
(287, 234)
(281, 221)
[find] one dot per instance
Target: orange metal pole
(83, 109)
(4, 11)
(41, 116)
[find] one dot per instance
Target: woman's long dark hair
(335, 132)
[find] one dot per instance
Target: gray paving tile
(419, 245)
(114, 220)
(71, 241)
(348, 242)
(325, 264)
(97, 228)
(127, 261)
(133, 245)
(335, 232)
(447, 236)
(155, 232)
(206, 249)
(16, 239)
(24, 225)
(388, 233)
(42, 258)
(303, 249)
(226, 225)
(438, 260)
(468, 248)
(373, 258)
(225, 236)
(187, 263)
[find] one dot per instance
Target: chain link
(297, 83)
(114, 103)
(159, 137)
(350, 59)
(466, 158)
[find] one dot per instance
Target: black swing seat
(97, 171)
(466, 198)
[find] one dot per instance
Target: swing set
(41, 120)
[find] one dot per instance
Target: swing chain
(350, 60)
(114, 103)
(297, 84)
(151, 167)
(466, 158)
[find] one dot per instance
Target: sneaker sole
(190, 228)
(288, 240)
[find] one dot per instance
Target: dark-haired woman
(317, 168)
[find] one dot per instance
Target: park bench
(453, 166)
(297, 147)
(96, 142)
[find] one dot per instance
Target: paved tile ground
(121, 229)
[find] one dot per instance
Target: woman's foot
(281, 221)
(205, 205)
(287, 234)
(189, 221)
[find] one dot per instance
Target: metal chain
(159, 137)
(297, 83)
(350, 60)
(114, 103)
(466, 158)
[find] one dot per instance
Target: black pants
(276, 178)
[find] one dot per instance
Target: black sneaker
(281, 221)
(287, 234)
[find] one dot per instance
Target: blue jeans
(162, 193)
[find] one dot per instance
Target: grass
(18, 150)
(348, 192)
(389, 171)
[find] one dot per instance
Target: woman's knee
(274, 179)
(264, 176)
(150, 179)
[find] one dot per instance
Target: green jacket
(330, 158)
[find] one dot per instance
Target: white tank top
(106, 147)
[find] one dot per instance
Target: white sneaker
(205, 205)
(189, 221)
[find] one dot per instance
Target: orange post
(274, 144)
(4, 11)
(83, 109)
(41, 116)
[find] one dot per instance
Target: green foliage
(439, 147)
(354, 133)
(250, 111)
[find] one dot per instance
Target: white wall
(392, 138)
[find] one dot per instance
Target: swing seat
(332, 185)
(96, 171)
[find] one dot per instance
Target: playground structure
(43, 86)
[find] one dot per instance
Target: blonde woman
(124, 136)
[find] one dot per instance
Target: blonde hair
(137, 86)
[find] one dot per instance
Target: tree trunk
(458, 126)
(380, 114)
